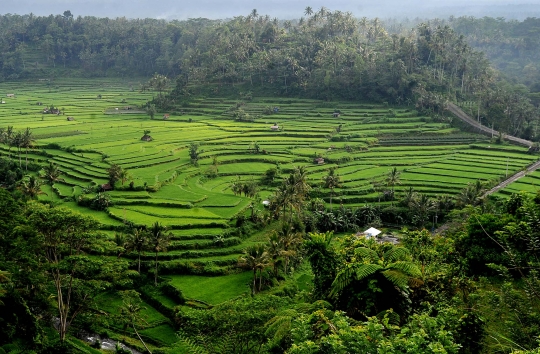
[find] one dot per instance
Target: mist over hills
(170, 9)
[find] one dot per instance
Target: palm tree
(123, 175)
(18, 141)
(392, 178)
(31, 187)
(130, 312)
(332, 181)
(308, 11)
(159, 82)
(114, 172)
(159, 242)
(27, 142)
(51, 173)
(373, 266)
(137, 241)
(255, 258)
(274, 250)
(290, 240)
(422, 206)
(6, 137)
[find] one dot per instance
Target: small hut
(70, 119)
(146, 137)
(106, 187)
(274, 127)
(319, 161)
(336, 114)
(166, 116)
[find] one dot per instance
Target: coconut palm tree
(18, 141)
(159, 241)
(274, 247)
(123, 175)
(254, 258)
(422, 206)
(308, 11)
(290, 240)
(137, 241)
(31, 187)
(51, 173)
(332, 181)
(130, 312)
(392, 179)
(27, 142)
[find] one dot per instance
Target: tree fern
(396, 254)
(366, 254)
(397, 278)
(343, 279)
(407, 268)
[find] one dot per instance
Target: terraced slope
(364, 143)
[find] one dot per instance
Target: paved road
(458, 112)
(464, 117)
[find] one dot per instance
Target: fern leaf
(343, 279)
(407, 268)
(397, 278)
(397, 254)
(366, 254)
(365, 270)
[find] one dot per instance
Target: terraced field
(364, 143)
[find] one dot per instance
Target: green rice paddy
(364, 143)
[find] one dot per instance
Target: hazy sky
(182, 9)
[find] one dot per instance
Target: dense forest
(325, 55)
(475, 289)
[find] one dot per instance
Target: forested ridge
(475, 289)
(325, 54)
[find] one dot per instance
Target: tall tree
(159, 241)
(65, 236)
(138, 241)
(27, 142)
(254, 258)
(332, 181)
(51, 173)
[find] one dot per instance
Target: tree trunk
(254, 281)
(155, 272)
(143, 343)
(139, 265)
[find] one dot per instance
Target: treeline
(512, 46)
(42, 46)
(324, 55)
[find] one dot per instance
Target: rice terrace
(253, 185)
(363, 142)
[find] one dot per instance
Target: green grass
(213, 290)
